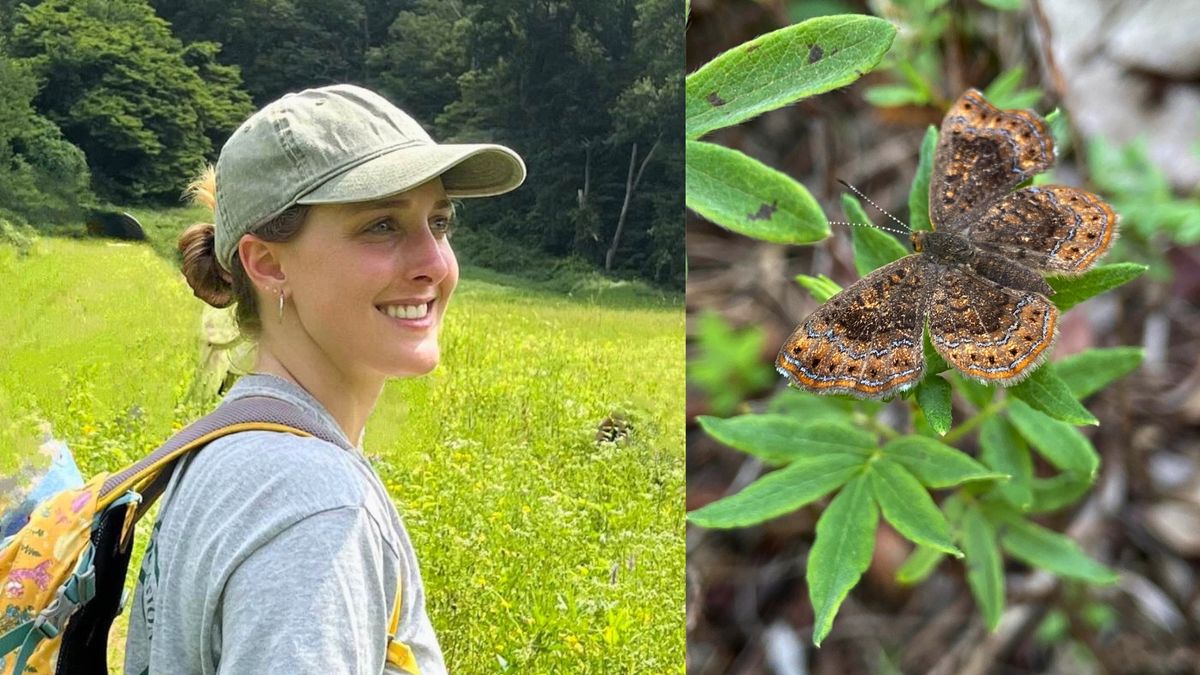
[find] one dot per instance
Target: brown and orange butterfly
(975, 280)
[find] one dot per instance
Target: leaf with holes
(782, 67)
(744, 195)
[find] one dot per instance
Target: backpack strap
(251, 413)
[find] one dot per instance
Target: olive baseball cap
(335, 145)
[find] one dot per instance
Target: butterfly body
(975, 281)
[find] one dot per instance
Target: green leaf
(1088, 372)
(1044, 390)
(1002, 449)
(841, 553)
(918, 196)
(908, 507)
(934, 363)
(750, 198)
(821, 287)
(933, 395)
(781, 438)
(873, 248)
(801, 482)
(936, 464)
(809, 407)
(1052, 494)
(919, 565)
(985, 570)
(893, 95)
(782, 67)
(1058, 442)
(1072, 290)
(1051, 551)
(1003, 5)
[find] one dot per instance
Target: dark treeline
(122, 101)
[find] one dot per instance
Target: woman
(274, 553)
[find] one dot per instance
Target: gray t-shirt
(276, 554)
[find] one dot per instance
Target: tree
(114, 79)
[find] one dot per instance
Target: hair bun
(209, 282)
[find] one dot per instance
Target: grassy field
(542, 550)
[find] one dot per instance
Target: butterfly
(975, 280)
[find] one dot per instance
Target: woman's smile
(411, 315)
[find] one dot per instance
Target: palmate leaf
(1057, 441)
(1040, 547)
(742, 194)
(841, 553)
(782, 67)
(779, 492)
(1003, 449)
(784, 438)
(924, 559)
(1070, 291)
(1045, 391)
(936, 464)
(933, 395)
(1088, 372)
(908, 506)
(985, 569)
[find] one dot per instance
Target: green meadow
(543, 549)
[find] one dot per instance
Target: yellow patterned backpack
(64, 572)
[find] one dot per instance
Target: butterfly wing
(988, 331)
(982, 153)
(866, 340)
(1049, 228)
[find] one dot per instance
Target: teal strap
(15, 638)
(31, 642)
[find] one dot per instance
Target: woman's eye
(385, 225)
(442, 225)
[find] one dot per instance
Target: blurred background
(1126, 77)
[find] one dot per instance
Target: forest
(119, 103)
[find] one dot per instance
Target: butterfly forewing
(982, 153)
(866, 340)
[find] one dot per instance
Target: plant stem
(974, 421)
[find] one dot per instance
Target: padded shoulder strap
(244, 414)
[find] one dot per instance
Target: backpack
(64, 572)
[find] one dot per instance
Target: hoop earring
(281, 305)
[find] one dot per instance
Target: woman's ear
(261, 260)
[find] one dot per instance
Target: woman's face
(371, 281)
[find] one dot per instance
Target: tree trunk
(631, 183)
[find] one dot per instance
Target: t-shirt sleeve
(312, 599)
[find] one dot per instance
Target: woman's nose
(426, 256)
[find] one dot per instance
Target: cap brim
(467, 170)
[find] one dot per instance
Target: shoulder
(280, 467)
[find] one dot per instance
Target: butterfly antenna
(870, 225)
(901, 223)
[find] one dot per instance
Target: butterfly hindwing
(988, 331)
(1049, 228)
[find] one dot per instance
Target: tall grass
(542, 549)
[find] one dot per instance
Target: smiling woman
(332, 227)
